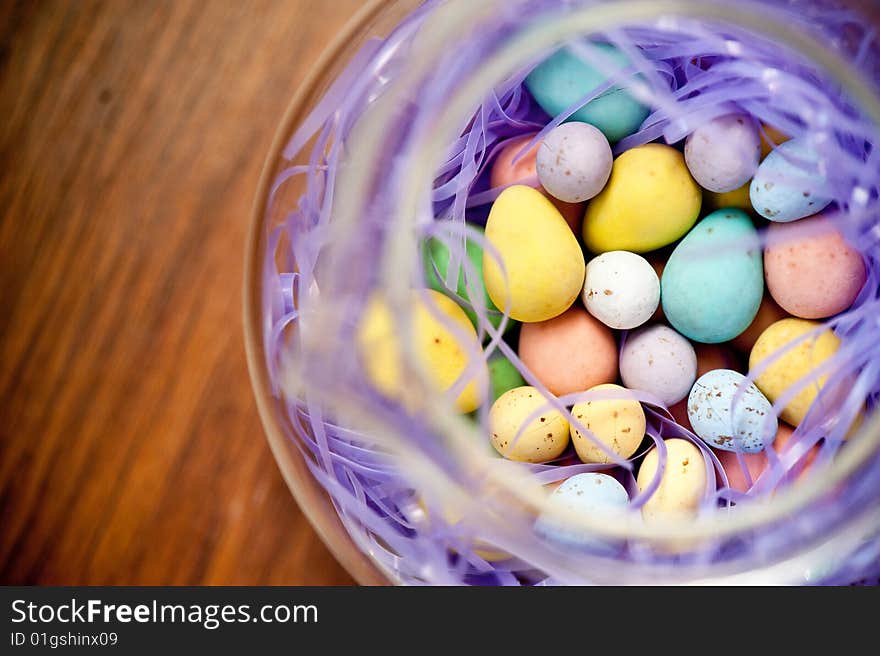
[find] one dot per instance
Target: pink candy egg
(811, 271)
(757, 463)
(525, 171)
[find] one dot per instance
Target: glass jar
(362, 142)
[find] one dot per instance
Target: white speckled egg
(657, 360)
(574, 162)
(724, 153)
(584, 494)
(730, 413)
(788, 185)
(621, 289)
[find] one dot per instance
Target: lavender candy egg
(788, 184)
(574, 162)
(730, 413)
(585, 494)
(723, 154)
(657, 360)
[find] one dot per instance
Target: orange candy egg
(505, 173)
(569, 353)
(768, 313)
(757, 463)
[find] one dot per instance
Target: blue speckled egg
(564, 78)
(588, 494)
(788, 184)
(730, 413)
(713, 283)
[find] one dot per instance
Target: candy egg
(650, 201)
(794, 365)
(503, 375)
(682, 482)
(737, 199)
(621, 289)
(516, 437)
(770, 138)
(436, 267)
(570, 353)
(730, 413)
(768, 313)
(543, 260)
(757, 463)
(450, 516)
(789, 183)
(714, 356)
(564, 78)
(709, 357)
(619, 424)
(811, 271)
(574, 162)
(714, 280)
(524, 171)
(657, 360)
(443, 355)
(723, 154)
(658, 264)
(591, 494)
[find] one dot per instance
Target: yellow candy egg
(794, 365)
(544, 263)
(543, 438)
(650, 201)
(453, 516)
(444, 356)
(619, 424)
(738, 198)
(682, 483)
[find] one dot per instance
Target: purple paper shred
(694, 72)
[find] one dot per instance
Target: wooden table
(132, 135)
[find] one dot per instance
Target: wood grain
(131, 141)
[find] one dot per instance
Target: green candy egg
(713, 283)
(503, 376)
(564, 78)
(436, 261)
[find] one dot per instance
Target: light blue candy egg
(730, 413)
(713, 283)
(788, 183)
(564, 78)
(585, 494)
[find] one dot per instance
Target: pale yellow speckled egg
(543, 438)
(543, 260)
(794, 365)
(682, 484)
(619, 424)
(444, 356)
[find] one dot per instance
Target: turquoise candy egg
(563, 78)
(729, 413)
(583, 494)
(713, 283)
(788, 184)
